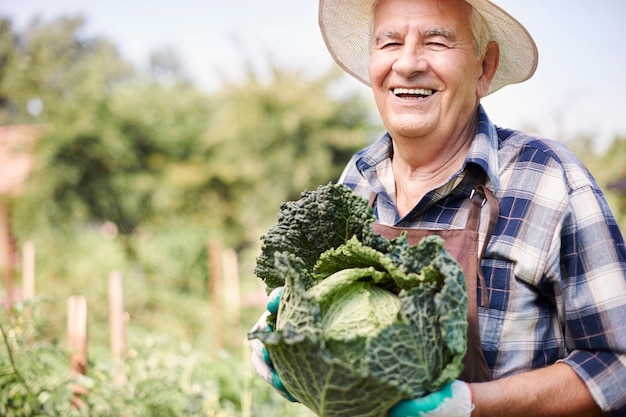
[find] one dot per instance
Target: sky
(578, 88)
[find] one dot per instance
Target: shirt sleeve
(593, 263)
(353, 178)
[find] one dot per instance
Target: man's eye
(390, 45)
(437, 45)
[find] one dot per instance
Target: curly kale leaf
(320, 220)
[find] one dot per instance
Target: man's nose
(410, 62)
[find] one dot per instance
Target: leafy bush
(35, 380)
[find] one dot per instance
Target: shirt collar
(484, 148)
(483, 152)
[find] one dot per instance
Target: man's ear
(490, 62)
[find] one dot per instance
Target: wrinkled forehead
(438, 15)
(453, 8)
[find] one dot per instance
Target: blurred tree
(166, 66)
(72, 78)
(269, 141)
(54, 65)
(611, 168)
(152, 153)
(7, 59)
(608, 168)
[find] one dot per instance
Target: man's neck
(419, 168)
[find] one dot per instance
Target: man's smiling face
(424, 71)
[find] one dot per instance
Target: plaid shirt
(555, 266)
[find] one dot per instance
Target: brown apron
(462, 244)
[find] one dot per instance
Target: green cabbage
(363, 322)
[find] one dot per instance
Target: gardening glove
(261, 360)
(453, 400)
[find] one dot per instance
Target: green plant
(163, 379)
(34, 378)
(363, 322)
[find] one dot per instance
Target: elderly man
(547, 309)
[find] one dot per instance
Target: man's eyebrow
(446, 33)
(392, 34)
(385, 34)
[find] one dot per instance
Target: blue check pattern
(555, 266)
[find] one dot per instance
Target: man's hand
(261, 360)
(453, 400)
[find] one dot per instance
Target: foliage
(319, 220)
(68, 73)
(364, 316)
(142, 156)
(36, 382)
(271, 141)
(615, 158)
(608, 168)
(161, 381)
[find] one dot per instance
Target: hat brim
(345, 26)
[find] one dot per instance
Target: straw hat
(345, 26)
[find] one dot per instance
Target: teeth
(413, 91)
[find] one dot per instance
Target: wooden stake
(77, 334)
(216, 292)
(77, 341)
(28, 271)
(117, 321)
(28, 281)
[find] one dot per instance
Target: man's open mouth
(413, 92)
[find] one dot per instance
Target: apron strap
(479, 196)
